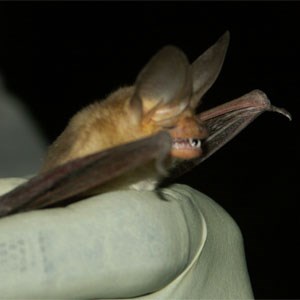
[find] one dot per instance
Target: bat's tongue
(186, 148)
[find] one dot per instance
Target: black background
(58, 57)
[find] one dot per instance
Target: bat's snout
(187, 138)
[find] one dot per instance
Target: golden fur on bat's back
(101, 125)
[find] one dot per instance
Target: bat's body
(130, 138)
(113, 122)
(101, 125)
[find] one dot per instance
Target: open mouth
(186, 148)
(191, 143)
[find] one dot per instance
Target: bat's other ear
(164, 86)
(206, 68)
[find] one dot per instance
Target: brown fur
(99, 126)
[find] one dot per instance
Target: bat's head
(168, 91)
(164, 98)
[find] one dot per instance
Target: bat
(140, 134)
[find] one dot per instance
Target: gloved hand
(175, 244)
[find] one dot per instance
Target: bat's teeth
(187, 143)
(195, 143)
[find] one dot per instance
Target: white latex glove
(124, 244)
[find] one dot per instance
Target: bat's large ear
(164, 87)
(206, 68)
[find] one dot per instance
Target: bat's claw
(281, 111)
(263, 102)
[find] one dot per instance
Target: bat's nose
(189, 127)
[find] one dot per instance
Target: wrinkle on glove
(124, 244)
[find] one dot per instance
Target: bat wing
(81, 175)
(225, 121)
